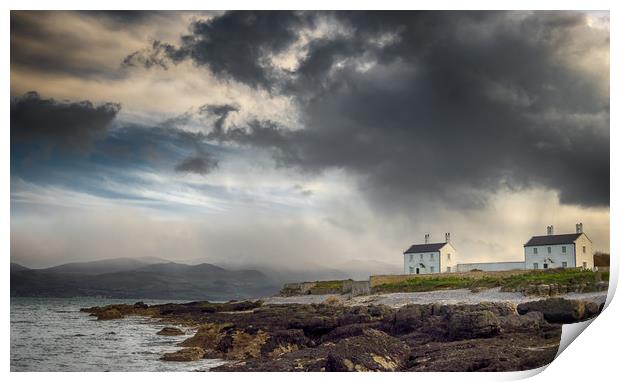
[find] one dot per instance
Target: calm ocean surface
(51, 334)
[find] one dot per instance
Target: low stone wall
(356, 288)
(392, 279)
(296, 289)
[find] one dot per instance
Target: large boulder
(314, 326)
(284, 341)
(169, 331)
(109, 314)
(184, 355)
(140, 305)
(531, 320)
(372, 351)
(410, 318)
(207, 336)
(474, 324)
(560, 310)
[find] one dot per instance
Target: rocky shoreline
(332, 336)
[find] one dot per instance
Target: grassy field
(553, 276)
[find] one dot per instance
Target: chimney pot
(549, 230)
(579, 227)
(447, 237)
(426, 237)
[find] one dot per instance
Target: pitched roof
(567, 238)
(432, 247)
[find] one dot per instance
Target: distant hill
(105, 266)
(352, 269)
(286, 274)
(18, 268)
(164, 280)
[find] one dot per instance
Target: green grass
(330, 284)
(554, 276)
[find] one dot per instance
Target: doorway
(417, 271)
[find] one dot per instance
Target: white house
(559, 251)
(430, 257)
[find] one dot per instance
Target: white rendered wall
(557, 257)
(413, 261)
(588, 255)
(448, 264)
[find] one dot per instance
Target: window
(448, 255)
(410, 257)
(410, 270)
(449, 269)
(564, 265)
(432, 256)
(563, 249)
(548, 249)
(432, 269)
(583, 249)
(421, 256)
(535, 265)
(585, 265)
(535, 251)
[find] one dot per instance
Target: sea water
(51, 334)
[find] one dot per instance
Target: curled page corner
(570, 332)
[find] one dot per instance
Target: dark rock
(372, 351)
(315, 337)
(225, 343)
(410, 317)
(314, 326)
(531, 320)
(476, 324)
(109, 314)
(207, 336)
(348, 331)
(140, 305)
(560, 310)
(284, 341)
(379, 311)
(184, 355)
(170, 331)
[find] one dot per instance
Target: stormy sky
(305, 138)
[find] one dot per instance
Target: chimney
(549, 230)
(579, 227)
(426, 237)
(447, 237)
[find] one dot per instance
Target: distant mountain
(164, 280)
(105, 266)
(285, 274)
(18, 268)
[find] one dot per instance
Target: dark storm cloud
(51, 124)
(37, 45)
(452, 103)
(159, 54)
(221, 113)
(123, 17)
(236, 45)
(62, 132)
(202, 164)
